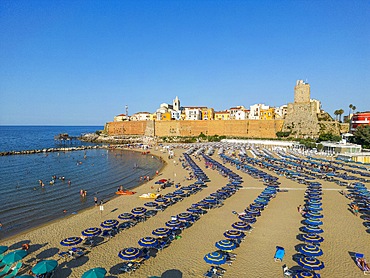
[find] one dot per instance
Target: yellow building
(166, 116)
(267, 114)
(208, 113)
(222, 115)
(153, 116)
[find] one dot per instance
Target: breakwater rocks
(49, 150)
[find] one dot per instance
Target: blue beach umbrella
(311, 263)
(109, 224)
(44, 266)
(130, 254)
(161, 232)
(173, 224)
(247, 218)
(234, 234)
(314, 208)
(215, 258)
(241, 226)
(313, 214)
(312, 229)
(148, 242)
(253, 212)
(14, 256)
(161, 200)
(257, 206)
(313, 221)
(195, 210)
(312, 238)
(70, 241)
(139, 210)
(126, 216)
(305, 274)
(91, 232)
(97, 272)
(151, 204)
(3, 249)
(225, 245)
(169, 195)
(311, 250)
(185, 216)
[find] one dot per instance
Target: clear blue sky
(80, 62)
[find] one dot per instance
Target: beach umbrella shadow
(48, 253)
(172, 273)
(62, 272)
(115, 270)
(19, 244)
(35, 247)
(77, 262)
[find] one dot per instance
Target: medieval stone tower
(301, 119)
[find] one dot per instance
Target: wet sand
(278, 225)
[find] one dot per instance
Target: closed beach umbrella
(126, 216)
(139, 210)
(97, 272)
(234, 234)
(14, 256)
(151, 204)
(91, 232)
(225, 245)
(44, 266)
(311, 250)
(215, 258)
(312, 238)
(161, 232)
(130, 254)
(3, 249)
(242, 226)
(109, 224)
(148, 241)
(311, 263)
(70, 241)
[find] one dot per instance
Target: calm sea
(24, 204)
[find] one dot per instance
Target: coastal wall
(238, 128)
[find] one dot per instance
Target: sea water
(25, 204)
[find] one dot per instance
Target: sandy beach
(277, 226)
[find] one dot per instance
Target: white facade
(241, 115)
(193, 113)
(255, 111)
(236, 110)
(280, 112)
(120, 118)
(140, 116)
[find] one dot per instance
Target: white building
(193, 113)
(140, 116)
(120, 118)
(280, 112)
(255, 111)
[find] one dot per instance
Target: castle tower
(176, 104)
(302, 92)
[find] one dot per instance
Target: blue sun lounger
(279, 254)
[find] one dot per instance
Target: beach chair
(15, 270)
(5, 269)
(279, 254)
(287, 272)
(362, 264)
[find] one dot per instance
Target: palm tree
(336, 114)
(349, 113)
(353, 109)
(340, 112)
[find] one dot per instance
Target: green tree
(329, 137)
(362, 136)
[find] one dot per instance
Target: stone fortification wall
(237, 128)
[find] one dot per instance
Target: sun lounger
(362, 264)
(279, 254)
